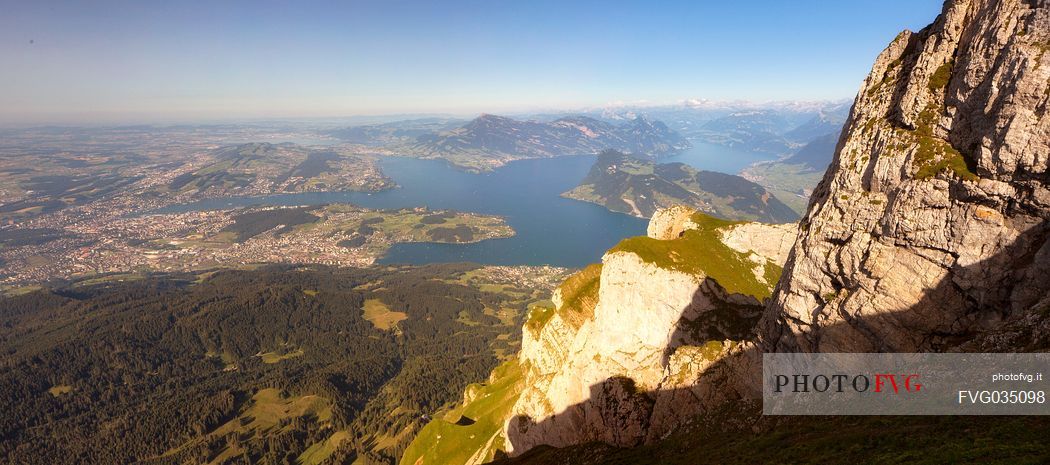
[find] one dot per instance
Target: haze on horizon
(126, 61)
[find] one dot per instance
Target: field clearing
(60, 389)
(20, 290)
(381, 316)
(505, 289)
(274, 357)
(320, 451)
(109, 278)
(268, 408)
(507, 316)
(791, 184)
(265, 412)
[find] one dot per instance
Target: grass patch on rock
(701, 252)
(940, 77)
(579, 295)
(538, 317)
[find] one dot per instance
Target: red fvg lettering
(908, 382)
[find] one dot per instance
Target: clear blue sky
(180, 60)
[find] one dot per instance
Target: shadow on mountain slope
(999, 304)
(826, 440)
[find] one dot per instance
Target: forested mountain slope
(315, 364)
(640, 187)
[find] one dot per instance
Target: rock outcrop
(670, 223)
(623, 367)
(771, 241)
(931, 224)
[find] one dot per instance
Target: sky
(153, 61)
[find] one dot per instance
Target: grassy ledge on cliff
(701, 251)
(579, 295)
(472, 432)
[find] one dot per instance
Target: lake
(550, 230)
(711, 157)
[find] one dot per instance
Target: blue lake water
(711, 157)
(550, 230)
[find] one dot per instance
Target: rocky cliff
(930, 227)
(617, 358)
(927, 233)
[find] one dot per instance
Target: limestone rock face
(930, 226)
(631, 372)
(669, 223)
(771, 241)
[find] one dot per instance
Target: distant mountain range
(394, 132)
(824, 123)
(770, 131)
(757, 130)
(776, 128)
(489, 141)
(817, 154)
(639, 187)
